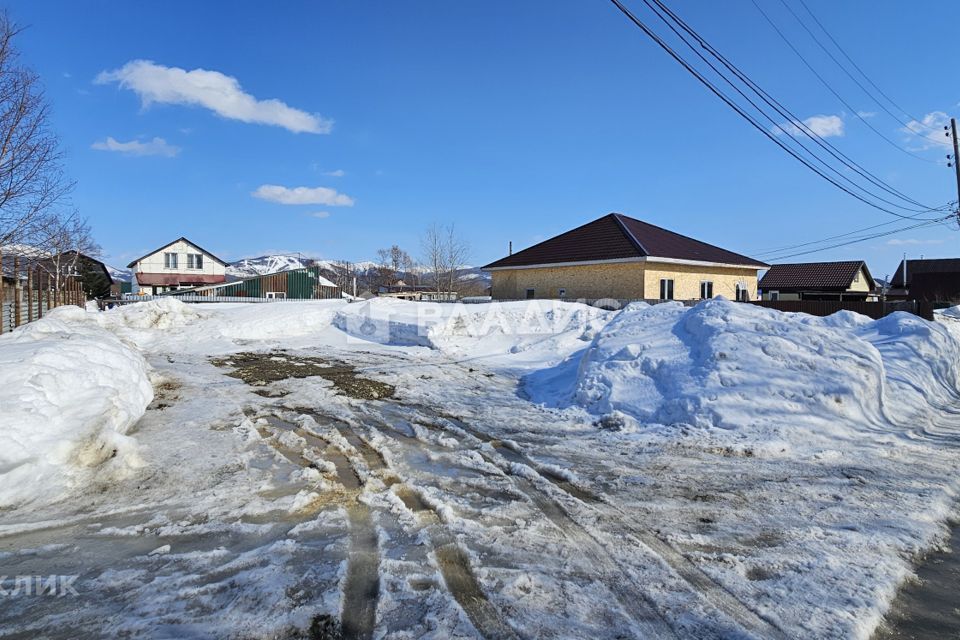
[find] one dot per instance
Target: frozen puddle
(928, 609)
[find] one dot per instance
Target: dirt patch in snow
(262, 369)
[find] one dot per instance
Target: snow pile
(541, 327)
(770, 374)
(69, 390)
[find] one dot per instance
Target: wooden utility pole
(956, 164)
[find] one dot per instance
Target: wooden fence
(875, 310)
(28, 292)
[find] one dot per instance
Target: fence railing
(130, 298)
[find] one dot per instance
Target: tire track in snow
(452, 561)
(636, 606)
(710, 590)
(361, 586)
(455, 568)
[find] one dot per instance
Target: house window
(666, 289)
(706, 290)
(276, 295)
(195, 261)
(563, 293)
(530, 294)
(774, 295)
(742, 293)
(170, 260)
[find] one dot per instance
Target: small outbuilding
(847, 280)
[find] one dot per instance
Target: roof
(619, 237)
(176, 279)
(940, 265)
(181, 238)
(814, 276)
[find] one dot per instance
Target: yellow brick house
(622, 258)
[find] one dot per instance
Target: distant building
(849, 280)
(174, 266)
(622, 258)
(936, 280)
(294, 284)
(421, 293)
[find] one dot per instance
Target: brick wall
(627, 280)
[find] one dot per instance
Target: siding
(154, 262)
(622, 281)
(618, 280)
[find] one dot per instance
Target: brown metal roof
(813, 276)
(936, 265)
(177, 279)
(616, 237)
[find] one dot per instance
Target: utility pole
(954, 159)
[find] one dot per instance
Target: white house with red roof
(176, 265)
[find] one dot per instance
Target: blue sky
(513, 120)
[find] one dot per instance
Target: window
(774, 295)
(170, 260)
(742, 294)
(666, 289)
(276, 295)
(195, 261)
(530, 294)
(563, 293)
(706, 290)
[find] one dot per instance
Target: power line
(927, 223)
(793, 119)
(740, 111)
(855, 66)
(836, 94)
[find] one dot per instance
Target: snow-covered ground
(515, 470)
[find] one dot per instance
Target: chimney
(510, 253)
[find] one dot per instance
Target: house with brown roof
(847, 280)
(933, 280)
(176, 265)
(622, 258)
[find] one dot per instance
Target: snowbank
(539, 330)
(69, 391)
(773, 375)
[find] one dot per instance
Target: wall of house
(627, 280)
(615, 280)
(860, 284)
(687, 278)
(154, 263)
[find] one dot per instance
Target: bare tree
(445, 253)
(393, 263)
(67, 244)
(31, 175)
(344, 273)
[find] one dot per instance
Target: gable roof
(939, 265)
(181, 238)
(814, 275)
(616, 237)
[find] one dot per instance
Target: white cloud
(213, 90)
(896, 242)
(930, 131)
(823, 126)
(302, 195)
(320, 214)
(866, 114)
(337, 173)
(155, 147)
